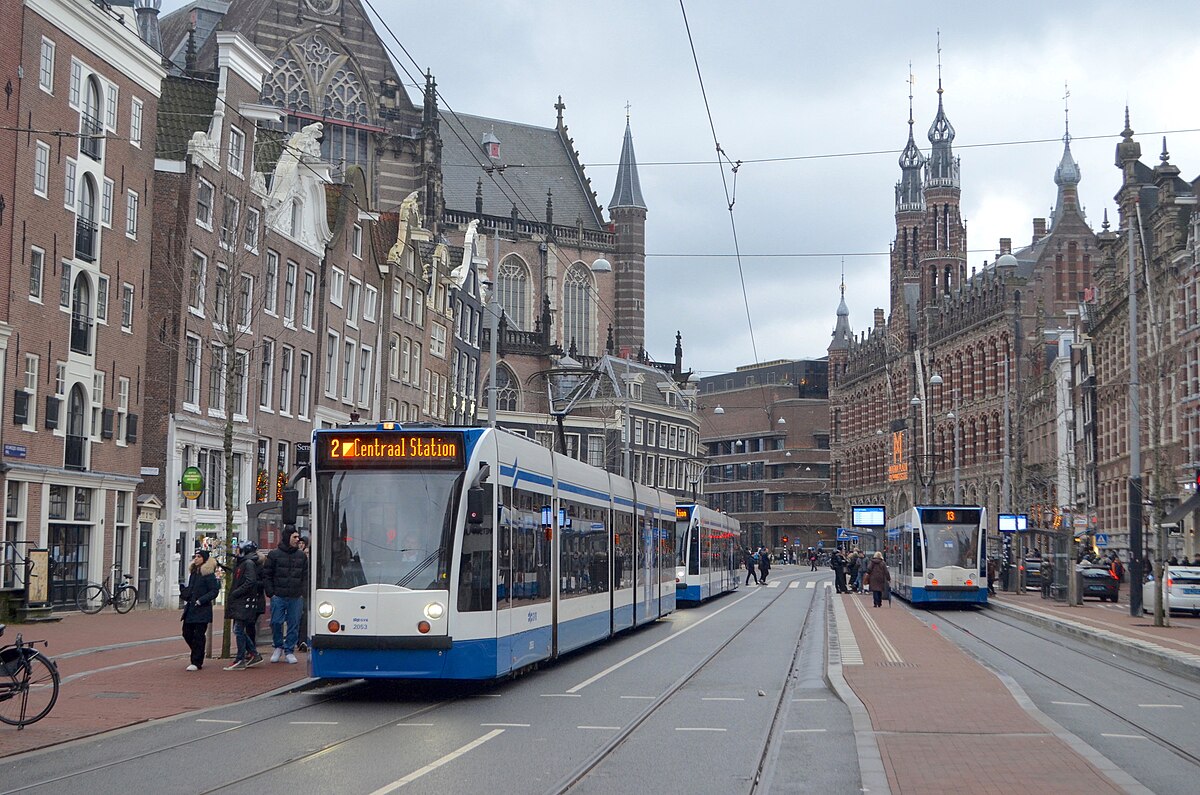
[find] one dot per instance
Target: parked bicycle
(28, 683)
(93, 598)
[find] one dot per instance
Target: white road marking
(1069, 703)
(561, 695)
(450, 757)
(654, 646)
(484, 695)
(507, 725)
(811, 584)
(1161, 706)
(721, 698)
(889, 651)
(1124, 736)
(214, 720)
(803, 731)
(600, 728)
(698, 729)
(639, 697)
(797, 584)
(794, 700)
(426, 725)
(313, 722)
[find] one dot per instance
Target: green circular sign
(192, 482)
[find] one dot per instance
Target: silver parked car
(1182, 592)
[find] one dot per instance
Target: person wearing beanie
(198, 595)
(285, 577)
(246, 604)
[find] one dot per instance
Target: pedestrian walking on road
(285, 577)
(812, 560)
(878, 579)
(198, 595)
(246, 604)
(854, 568)
(764, 565)
(749, 560)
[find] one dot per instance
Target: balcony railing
(81, 333)
(91, 135)
(85, 239)
(76, 453)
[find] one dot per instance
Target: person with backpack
(246, 604)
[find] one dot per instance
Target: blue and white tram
(710, 559)
(473, 553)
(936, 554)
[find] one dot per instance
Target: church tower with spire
(627, 210)
(944, 244)
(910, 207)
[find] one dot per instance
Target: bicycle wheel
(91, 599)
(28, 689)
(125, 598)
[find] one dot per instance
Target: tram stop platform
(119, 671)
(916, 696)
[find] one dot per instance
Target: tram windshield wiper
(407, 578)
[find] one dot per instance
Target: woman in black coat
(198, 595)
(246, 604)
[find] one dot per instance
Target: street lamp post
(954, 415)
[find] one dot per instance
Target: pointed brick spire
(628, 192)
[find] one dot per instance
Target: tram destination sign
(384, 449)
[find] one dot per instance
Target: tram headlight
(325, 610)
(434, 611)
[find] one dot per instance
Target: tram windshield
(393, 528)
(951, 545)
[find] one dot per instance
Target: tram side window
(918, 556)
(475, 563)
(583, 565)
(528, 571)
(622, 548)
(698, 546)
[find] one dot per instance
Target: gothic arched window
(578, 309)
(508, 393)
(513, 291)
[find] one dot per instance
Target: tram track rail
(1154, 736)
(623, 735)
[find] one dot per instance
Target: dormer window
(491, 144)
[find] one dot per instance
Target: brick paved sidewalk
(944, 723)
(121, 670)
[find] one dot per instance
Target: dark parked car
(1098, 581)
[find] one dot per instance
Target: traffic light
(784, 539)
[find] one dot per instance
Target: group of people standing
(281, 576)
(854, 571)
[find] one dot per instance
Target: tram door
(623, 570)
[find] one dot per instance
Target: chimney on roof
(1005, 245)
(1039, 229)
(878, 317)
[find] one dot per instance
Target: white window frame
(336, 286)
(286, 355)
(76, 84)
(41, 169)
(122, 420)
(437, 340)
(353, 294)
(218, 361)
(291, 274)
(132, 205)
(197, 285)
(37, 273)
(102, 299)
(251, 229)
(266, 384)
(245, 302)
(70, 177)
(205, 209)
(231, 217)
(32, 367)
(191, 368)
(135, 122)
(349, 352)
(221, 296)
(236, 154)
(106, 203)
(365, 370)
(241, 360)
(271, 296)
(46, 66)
(333, 349)
(127, 296)
(310, 290)
(370, 304)
(304, 390)
(112, 94)
(356, 237)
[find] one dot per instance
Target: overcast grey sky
(800, 85)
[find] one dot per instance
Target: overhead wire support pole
(1136, 572)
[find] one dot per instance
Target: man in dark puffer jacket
(285, 576)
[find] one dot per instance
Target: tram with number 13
(474, 553)
(936, 554)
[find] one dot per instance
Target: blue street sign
(1101, 539)
(843, 534)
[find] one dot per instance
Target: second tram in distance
(936, 554)
(710, 555)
